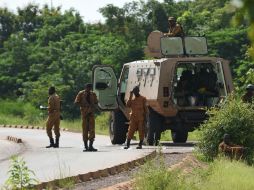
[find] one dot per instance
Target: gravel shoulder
(169, 159)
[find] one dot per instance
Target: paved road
(69, 159)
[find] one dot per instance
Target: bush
(235, 118)
(19, 109)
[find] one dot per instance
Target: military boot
(128, 144)
(86, 146)
(56, 145)
(91, 148)
(140, 145)
(51, 141)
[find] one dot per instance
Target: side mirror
(101, 86)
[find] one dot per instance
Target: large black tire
(179, 136)
(153, 127)
(117, 127)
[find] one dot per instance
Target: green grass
(101, 123)
(166, 136)
(226, 175)
(222, 174)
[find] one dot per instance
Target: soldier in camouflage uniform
(138, 113)
(87, 100)
(229, 149)
(53, 117)
(248, 96)
(175, 29)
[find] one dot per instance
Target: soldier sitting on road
(229, 149)
(137, 116)
(175, 29)
(248, 96)
(87, 100)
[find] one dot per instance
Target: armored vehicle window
(171, 46)
(195, 45)
(123, 82)
(198, 84)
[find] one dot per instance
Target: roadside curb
(28, 127)
(14, 139)
(98, 174)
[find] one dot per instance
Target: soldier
(87, 101)
(137, 116)
(175, 29)
(230, 149)
(53, 117)
(248, 96)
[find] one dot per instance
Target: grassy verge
(75, 125)
(222, 174)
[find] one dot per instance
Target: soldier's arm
(176, 30)
(145, 106)
(129, 101)
(78, 99)
(95, 98)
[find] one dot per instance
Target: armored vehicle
(180, 84)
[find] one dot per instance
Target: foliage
(235, 118)
(225, 174)
(222, 174)
(20, 110)
(20, 176)
(42, 46)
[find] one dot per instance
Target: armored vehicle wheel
(179, 136)
(153, 128)
(117, 127)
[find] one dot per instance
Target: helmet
(250, 87)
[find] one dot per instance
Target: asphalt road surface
(69, 159)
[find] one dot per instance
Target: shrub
(20, 176)
(235, 118)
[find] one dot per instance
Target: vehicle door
(105, 87)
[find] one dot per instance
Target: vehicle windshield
(198, 84)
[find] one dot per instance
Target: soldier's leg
(84, 130)
(141, 132)
(91, 132)
(131, 130)
(49, 126)
(57, 130)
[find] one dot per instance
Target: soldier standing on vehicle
(87, 101)
(248, 96)
(175, 29)
(53, 117)
(138, 114)
(230, 149)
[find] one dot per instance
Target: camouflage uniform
(53, 116)
(247, 97)
(137, 116)
(87, 101)
(231, 150)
